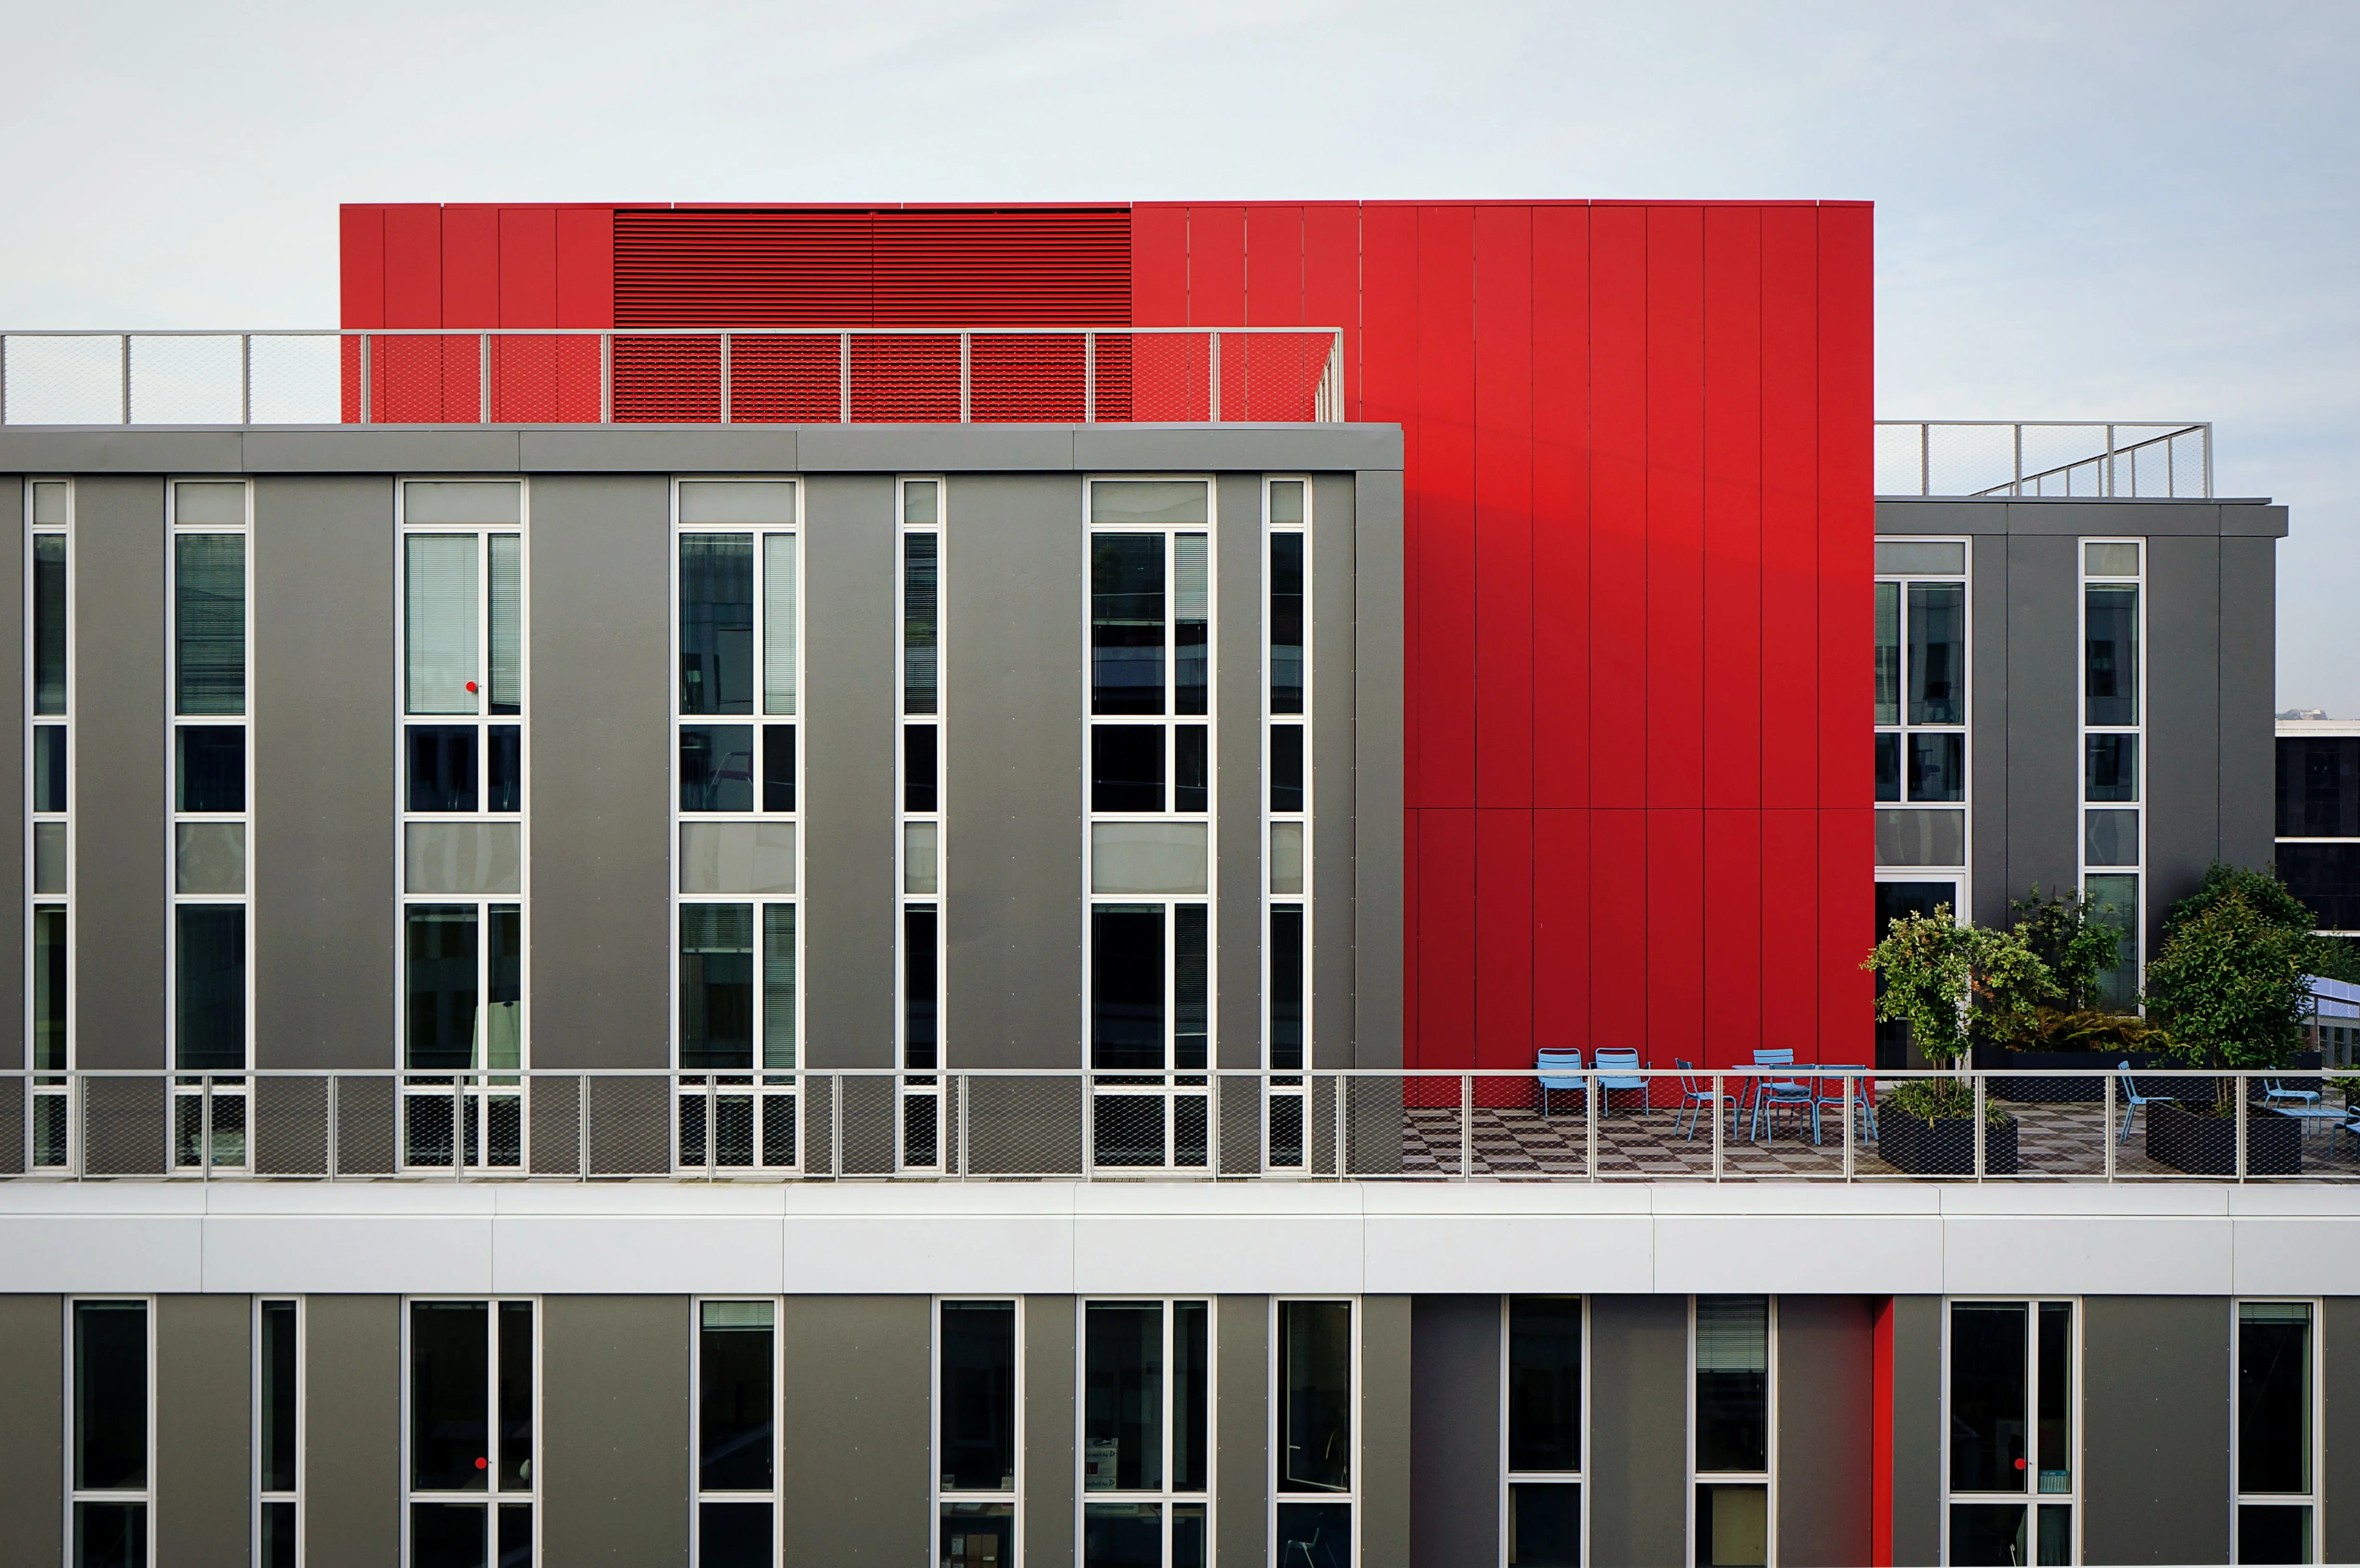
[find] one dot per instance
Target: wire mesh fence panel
(1171, 376)
(630, 1133)
(2279, 1113)
(553, 1114)
(1276, 376)
(365, 1143)
(2064, 460)
(64, 380)
(905, 378)
(2060, 1122)
(1376, 1126)
(815, 1115)
(429, 379)
(1025, 375)
(1238, 1116)
(298, 380)
(667, 378)
(1023, 1127)
(552, 379)
(290, 1127)
(786, 378)
(16, 1128)
(1111, 363)
(2187, 468)
(123, 1127)
(1966, 460)
(180, 380)
(1901, 456)
(921, 1125)
(868, 1139)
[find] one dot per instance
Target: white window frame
(60, 1085)
(1962, 874)
(146, 1496)
(773, 1083)
(302, 1418)
(491, 1499)
(2316, 1498)
(1177, 1083)
(2031, 1497)
(1510, 1478)
(1276, 1429)
(478, 1086)
(922, 1084)
(1014, 1497)
(2083, 581)
(208, 1090)
(1767, 1477)
(698, 1496)
(1166, 1496)
(1293, 1088)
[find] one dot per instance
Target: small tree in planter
(2060, 932)
(1954, 985)
(2230, 986)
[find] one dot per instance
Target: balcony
(855, 375)
(2016, 459)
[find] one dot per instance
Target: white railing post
(483, 378)
(1466, 1125)
(1590, 1126)
(1980, 1130)
(126, 377)
(2110, 488)
(246, 378)
(2015, 485)
(1213, 378)
(1719, 1092)
(724, 378)
(606, 378)
(963, 1081)
(1089, 1130)
(1850, 1083)
(2106, 1119)
(1089, 377)
(1926, 458)
(844, 378)
(3, 379)
(1341, 1083)
(967, 378)
(2243, 1086)
(582, 1126)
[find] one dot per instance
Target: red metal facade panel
(1731, 961)
(1275, 269)
(1675, 521)
(1791, 373)
(1561, 542)
(1504, 893)
(1733, 508)
(1503, 507)
(1442, 537)
(1445, 928)
(1617, 611)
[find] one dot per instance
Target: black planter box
(2086, 1089)
(2206, 1145)
(1945, 1147)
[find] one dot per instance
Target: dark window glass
(2318, 787)
(1190, 989)
(1988, 1535)
(2273, 1397)
(1888, 653)
(1122, 1535)
(919, 790)
(1191, 623)
(2055, 1432)
(110, 1396)
(1287, 986)
(1733, 1383)
(50, 768)
(1125, 986)
(1937, 767)
(979, 1535)
(441, 767)
(918, 590)
(1286, 623)
(449, 1386)
(2272, 1532)
(277, 1535)
(733, 1535)
(49, 989)
(1286, 768)
(209, 622)
(716, 623)
(516, 1535)
(1315, 1535)
(505, 1022)
(505, 757)
(1888, 767)
(49, 624)
(1191, 769)
(210, 1012)
(213, 767)
(978, 1397)
(442, 982)
(1544, 1525)
(2113, 767)
(516, 1396)
(2112, 657)
(508, 623)
(2115, 900)
(447, 1535)
(716, 985)
(778, 767)
(1192, 1385)
(1189, 1545)
(1544, 1383)
(1733, 1526)
(1122, 1397)
(734, 1400)
(1987, 1396)
(1938, 653)
(110, 1535)
(918, 990)
(278, 1383)
(1127, 624)
(717, 767)
(1127, 767)
(1315, 1380)
(777, 986)
(2326, 877)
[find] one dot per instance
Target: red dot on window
(482, 1464)
(2019, 1464)
(471, 685)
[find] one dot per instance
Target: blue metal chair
(1697, 1095)
(2274, 1091)
(1608, 1087)
(1567, 1067)
(1827, 1094)
(2134, 1100)
(1772, 1095)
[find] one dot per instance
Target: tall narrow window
(1543, 1347)
(739, 857)
(1734, 1415)
(976, 1414)
(1150, 759)
(921, 808)
(472, 1433)
(49, 1038)
(1316, 1428)
(2278, 1461)
(466, 1028)
(1920, 664)
(2011, 1424)
(737, 1434)
(1286, 728)
(2113, 845)
(277, 1434)
(1145, 1460)
(111, 1440)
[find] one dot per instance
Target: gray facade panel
(204, 1424)
(34, 449)
(2253, 519)
(325, 800)
(599, 703)
(849, 736)
(1826, 1351)
(2071, 516)
(934, 449)
(660, 449)
(1916, 1413)
(1377, 773)
(1242, 1423)
(2339, 1473)
(1012, 574)
(1264, 448)
(1987, 760)
(2044, 716)
(1386, 1413)
(859, 1438)
(1049, 1417)
(119, 793)
(352, 1433)
(416, 448)
(2184, 651)
(1334, 821)
(1239, 681)
(615, 1429)
(32, 1425)
(13, 881)
(2247, 741)
(2156, 1418)
(1637, 1450)
(1455, 1432)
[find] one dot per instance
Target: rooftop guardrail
(2143, 460)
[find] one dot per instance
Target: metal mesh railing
(1802, 1123)
(860, 375)
(2150, 459)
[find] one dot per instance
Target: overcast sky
(2084, 211)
